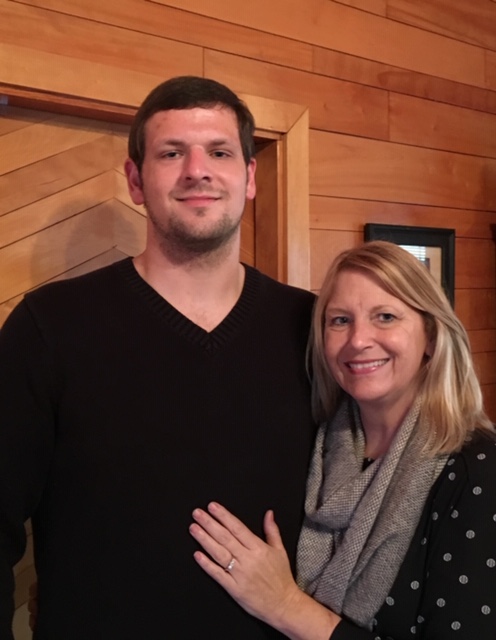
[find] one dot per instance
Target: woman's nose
(361, 334)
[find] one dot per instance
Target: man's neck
(204, 291)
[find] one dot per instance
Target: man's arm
(26, 441)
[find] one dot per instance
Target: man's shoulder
(281, 290)
(92, 283)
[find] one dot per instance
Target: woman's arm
(259, 577)
(459, 596)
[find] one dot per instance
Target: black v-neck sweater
(119, 417)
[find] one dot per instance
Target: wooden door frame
(282, 234)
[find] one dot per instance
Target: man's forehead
(198, 124)
(200, 116)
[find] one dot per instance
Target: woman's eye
(337, 321)
(386, 317)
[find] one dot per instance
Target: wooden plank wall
(401, 97)
(64, 207)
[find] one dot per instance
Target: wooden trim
(297, 193)
(275, 120)
(70, 105)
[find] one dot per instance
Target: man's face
(194, 181)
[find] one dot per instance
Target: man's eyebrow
(178, 142)
(173, 142)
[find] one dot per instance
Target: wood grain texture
(475, 264)
(269, 201)
(351, 215)
(489, 394)
(58, 212)
(379, 7)
(39, 215)
(55, 173)
(296, 194)
(350, 167)
(13, 118)
(42, 140)
(405, 80)
(482, 340)
(476, 308)
(333, 104)
(473, 22)
(183, 26)
(491, 70)
(325, 246)
(485, 366)
(334, 26)
(80, 238)
(112, 47)
(433, 125)
(22, 66)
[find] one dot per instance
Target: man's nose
(197, 165)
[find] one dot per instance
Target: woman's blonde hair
(452, 404)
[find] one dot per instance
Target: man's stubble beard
(178, 241)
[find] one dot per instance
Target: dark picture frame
(428, 237)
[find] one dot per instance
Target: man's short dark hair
(188, 92)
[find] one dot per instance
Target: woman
(399, 534)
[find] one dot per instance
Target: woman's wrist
(303, 618)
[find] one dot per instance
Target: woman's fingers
(271, 530)
(202, 533)
(234, 525)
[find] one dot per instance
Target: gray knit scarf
(358, 524)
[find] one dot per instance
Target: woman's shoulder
(480, 451)
(475, 465)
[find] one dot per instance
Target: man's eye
(220, 154)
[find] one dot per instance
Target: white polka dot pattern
(446, 587)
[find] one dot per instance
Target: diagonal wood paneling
(60, 213)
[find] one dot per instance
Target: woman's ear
(429, 349)
(431, 334)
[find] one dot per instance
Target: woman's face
(374, 344)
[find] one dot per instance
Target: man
(133, 394)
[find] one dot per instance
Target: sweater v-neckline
(208, 340)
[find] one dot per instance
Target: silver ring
(230, 566)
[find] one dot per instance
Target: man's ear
(134, 182)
